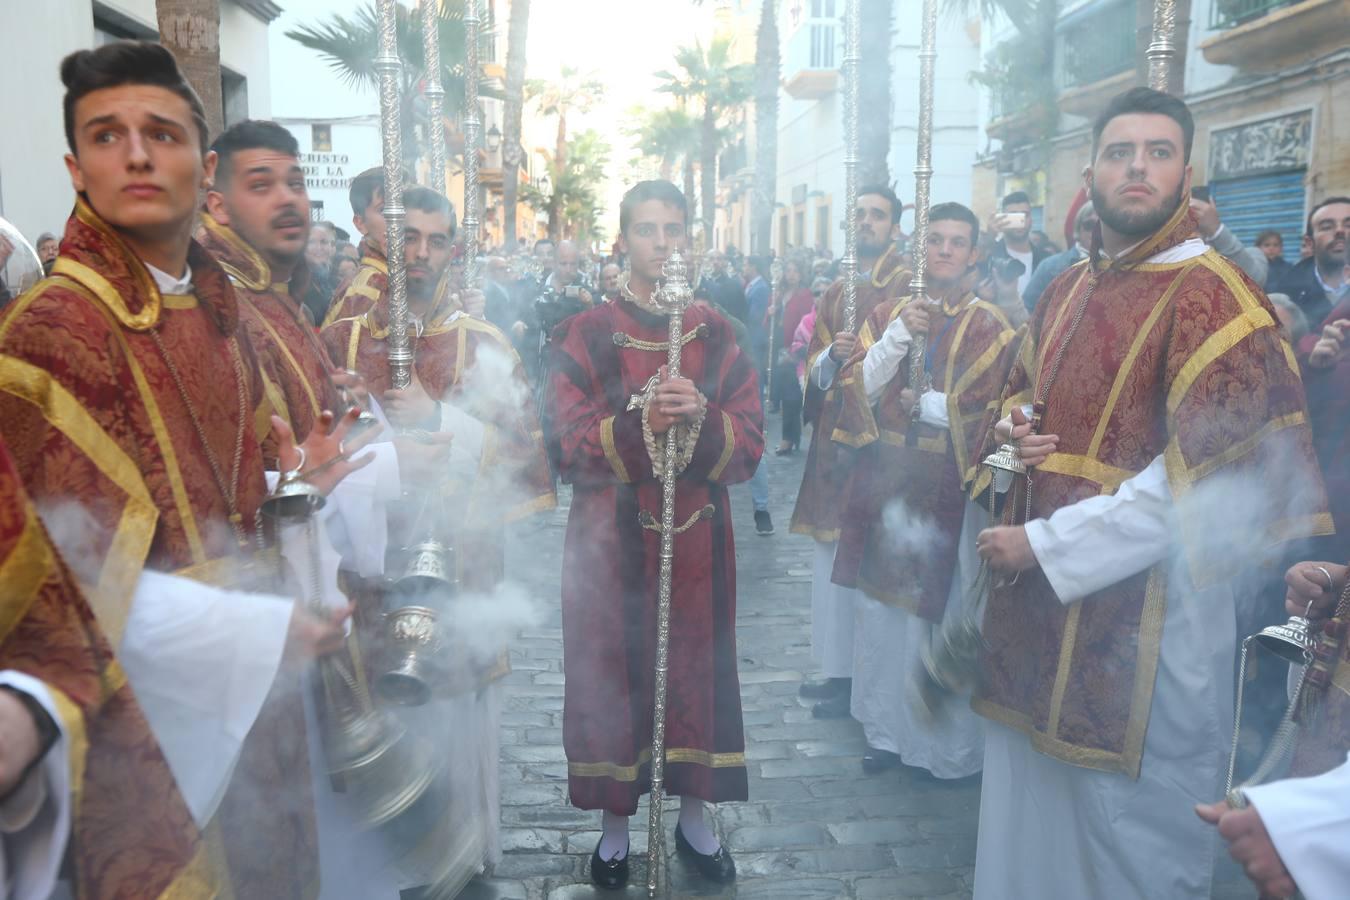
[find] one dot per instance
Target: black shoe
(825, 688)
(718, 867)
(874, 762)
(763, 523)
(836, 707)
(609, 874)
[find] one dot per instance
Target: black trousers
(789, 393)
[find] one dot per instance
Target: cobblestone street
(814, 827)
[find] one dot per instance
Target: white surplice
(832, 605)
(888, 641)
(1308, 820)
(35, 818)
(1052, 830)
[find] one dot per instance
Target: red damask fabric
(611, 560)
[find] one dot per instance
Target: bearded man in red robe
(370, 282)
(468, 389)
(918, 448)
(820, 500)
(1153, 398)
(132, 403)
(612, 403)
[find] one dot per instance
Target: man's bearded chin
(1136, 224)
(420, 290)
(871, 249)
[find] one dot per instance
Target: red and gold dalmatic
(1175, 359)
(820, 499)
(94, 414)
(294, 365)
(514, 479)
(367, 286)
(925, 467)
(132, 835)
(602, 362)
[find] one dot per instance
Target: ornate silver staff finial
(387, 64)
(1162, 51)
(849, 264)
(472, 128)
(923, 177)
(674, 296)
(431, 54)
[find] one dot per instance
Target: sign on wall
(326, 170)
(1278, 144)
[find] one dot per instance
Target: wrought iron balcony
(1095, 45)
(1228, 13)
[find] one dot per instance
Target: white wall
(810, 141)
(35, 191)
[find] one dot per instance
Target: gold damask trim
(1244, 446)
(262, 272)
(23, 572)
(180, 301)
(955, 420)
(1128, 760)
(821, 535)
(728, 448)
(165, 442)
(1214, 346)
(1131, 357)
(353, 344)
(611, 451)
(628, 342)
(197, 881)
(111, 597)
(77, 743)
(1043, 345)
(259, 569)
(287, 355)
(1063, 666)
(620, 772)
(1077, 466)
(530, 507)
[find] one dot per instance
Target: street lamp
(494, 139)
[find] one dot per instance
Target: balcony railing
(1229, 13)
(1098, 45)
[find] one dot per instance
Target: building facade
(35, 191)
(809, 208)
(1267, 82)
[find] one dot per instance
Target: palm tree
(516, 33)
(1023, 68)
(190, 29)
(351, 45)
(571, 91)
(766, 128)
(874, 92)
(720, 86)
(670, 136)
(573, 200)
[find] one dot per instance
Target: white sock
(614, 841)
(695, 830)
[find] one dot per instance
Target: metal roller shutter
(1252, 205)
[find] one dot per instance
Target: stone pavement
(814, 828)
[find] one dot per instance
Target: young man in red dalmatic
(612, 405)
(820, 500)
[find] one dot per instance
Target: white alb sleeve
(201, 661)
(883, 358)
(356, 514)
(824, 369)
(1308, 820)
(35, 820)
(933, 409)
(1099, 541)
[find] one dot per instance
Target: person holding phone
(1013, 227)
